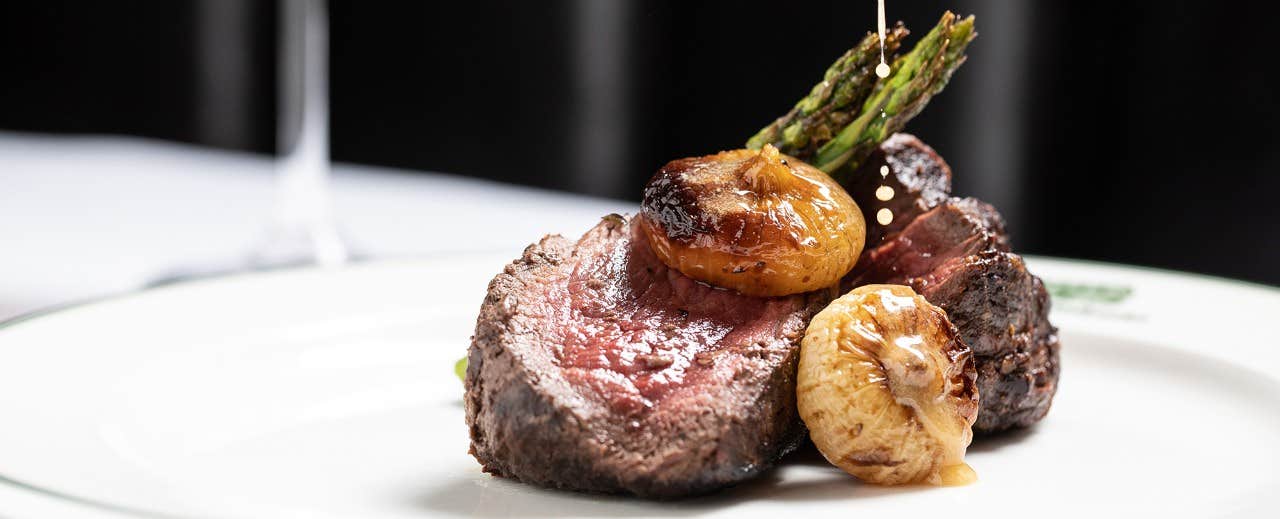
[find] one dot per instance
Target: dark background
(1129, 131)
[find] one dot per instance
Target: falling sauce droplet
(884, 193)
(884, 216)
(882, 69)
(884, 171)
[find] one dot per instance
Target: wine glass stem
(303, 219)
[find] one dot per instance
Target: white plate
(331, 394)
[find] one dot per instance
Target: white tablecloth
(85, 217)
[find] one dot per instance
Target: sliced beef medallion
(1002, 312)
(956, 254)
(956, 228)
(595, 367)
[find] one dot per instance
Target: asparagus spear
(832, 103)
(917, 76)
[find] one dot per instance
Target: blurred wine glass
(302, 230)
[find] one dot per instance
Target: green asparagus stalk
(833, 102)
(916, 77)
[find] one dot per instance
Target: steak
(595, 367)
(955, 252)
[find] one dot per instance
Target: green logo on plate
(1093, 293)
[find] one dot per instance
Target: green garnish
(460, 369)
(837, 130)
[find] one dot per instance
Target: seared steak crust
(594, 367)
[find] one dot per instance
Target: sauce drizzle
(884, 193)
(882, 69)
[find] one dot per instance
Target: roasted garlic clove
(755, 221)
(887, 388)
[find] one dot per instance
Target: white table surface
(83, 217)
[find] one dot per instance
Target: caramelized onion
(887, 388)
(755, 221)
